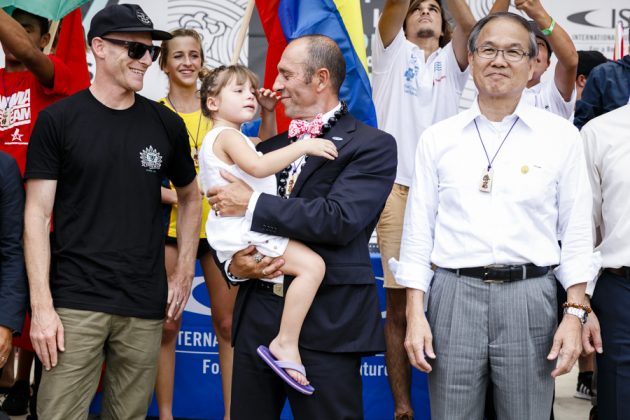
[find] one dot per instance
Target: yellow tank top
(198, 126)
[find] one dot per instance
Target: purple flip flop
(279, 368)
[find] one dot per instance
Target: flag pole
(53, 34)
(240, 39)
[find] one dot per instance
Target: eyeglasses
(136, 50)
(513, 54)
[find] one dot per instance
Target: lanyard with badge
(486, 176)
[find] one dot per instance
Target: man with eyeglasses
(494, 189)
(99, 291)
(557, 94)
(420, 68)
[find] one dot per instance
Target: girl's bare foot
(288, 353)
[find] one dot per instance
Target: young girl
(182, 61)
(228, 97)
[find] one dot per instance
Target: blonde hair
(213, 81)
(181, 32)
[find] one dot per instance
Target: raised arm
(499, 6)
(392, 19)
(14, 38)
(232, 144)
(267, 99)
(464, 23)
(46, 327)
(566, 68)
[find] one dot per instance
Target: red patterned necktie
(313, 128)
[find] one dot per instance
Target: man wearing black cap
(556, 95)
(98, 287)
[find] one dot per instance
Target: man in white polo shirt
(419, 73)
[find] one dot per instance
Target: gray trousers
(500, 333)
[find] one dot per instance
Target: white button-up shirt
(607, 148)
(540, 194)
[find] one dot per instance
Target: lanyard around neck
(500, 146)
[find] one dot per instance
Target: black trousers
(258, 393)
(611, 301)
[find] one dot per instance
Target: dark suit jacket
(13, 290)
(333, 209)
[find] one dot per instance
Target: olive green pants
(128, 346)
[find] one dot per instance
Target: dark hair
(181, 32)
(474, 33)
(44, 24)
(213, 81)
(447, 32)
(588, 60)
(323, 52)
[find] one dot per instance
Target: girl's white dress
(228, 235)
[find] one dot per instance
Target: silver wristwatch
(580, 313)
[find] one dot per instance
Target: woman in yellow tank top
(182, 60)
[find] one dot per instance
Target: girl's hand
(320, 147)
(267, 98)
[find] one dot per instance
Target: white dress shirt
(607, 149)
(540, 194)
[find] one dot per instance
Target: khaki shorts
(128, 346)
(389, 230)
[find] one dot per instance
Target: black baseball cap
(123, 18)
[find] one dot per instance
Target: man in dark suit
(333, 208)
(12, 275)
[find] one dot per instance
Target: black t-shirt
(107, 246)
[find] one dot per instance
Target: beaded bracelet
(577, 306)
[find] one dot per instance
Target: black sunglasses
(136, 50)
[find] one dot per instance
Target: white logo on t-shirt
(151, 159)
(16, 109)
(16, 137)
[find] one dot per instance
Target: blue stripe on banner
(312, 17)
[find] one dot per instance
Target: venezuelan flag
(285, 20)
